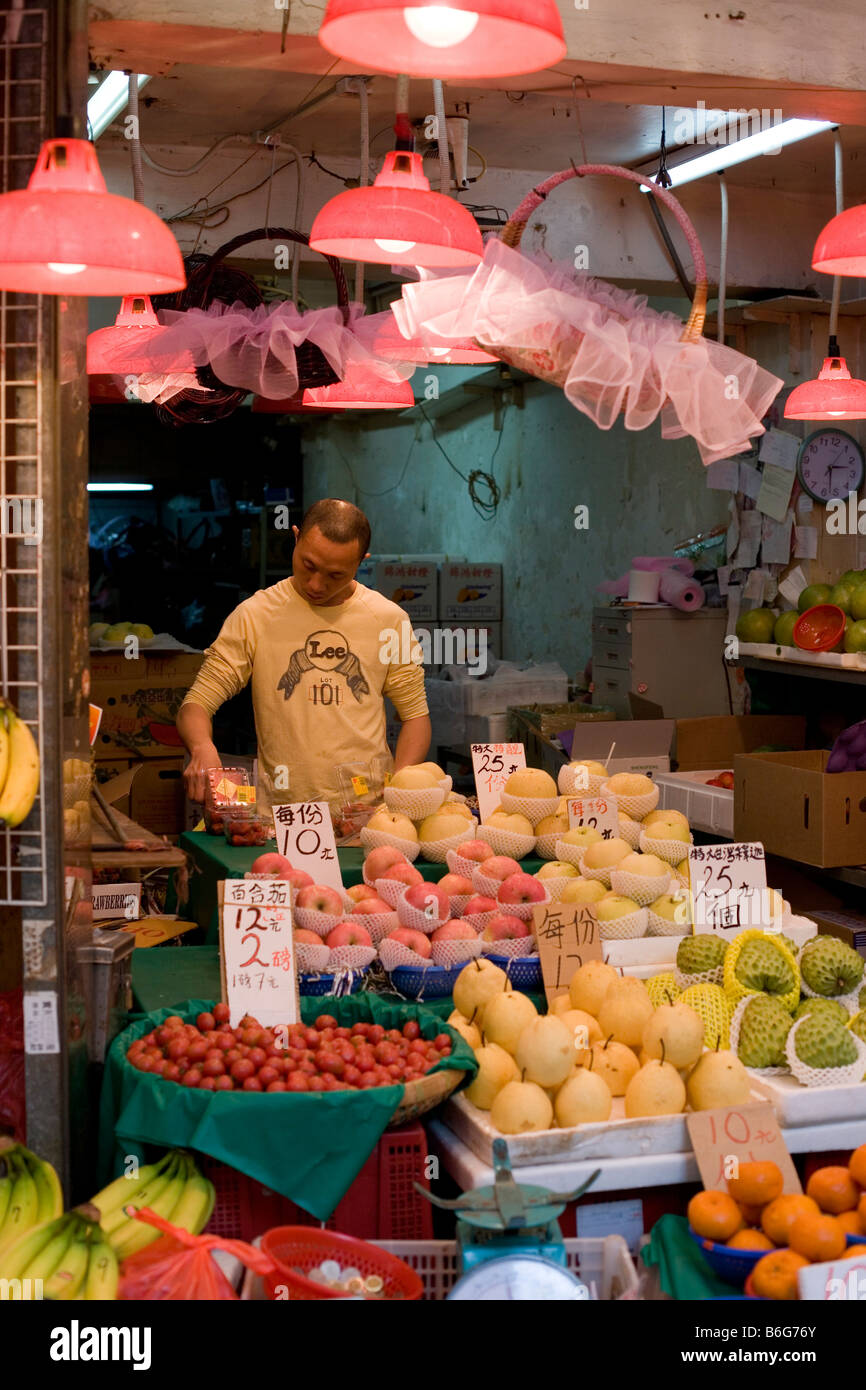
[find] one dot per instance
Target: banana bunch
(173, 1188)
(30, 1192)
(67, 1258)
(19, 768)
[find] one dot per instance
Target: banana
(122, 1191)
(194, 1209)
(70, 1273)
(117, 1223)
(23, 1207)
(134, 1237)
(21, 1253)
(47, 1186)
(50, 1256)
(22, 779)
(8, 1171)
(4, 742)
(103, 1272)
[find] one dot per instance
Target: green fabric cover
(683, 1271)
(310, 1148)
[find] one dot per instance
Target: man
(313, 648)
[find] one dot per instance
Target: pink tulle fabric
(604, 346)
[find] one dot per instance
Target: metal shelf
(797, 668)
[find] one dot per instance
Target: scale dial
(520, 1278)
(830, 465)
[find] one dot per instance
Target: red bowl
(819, 629)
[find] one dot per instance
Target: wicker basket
(424, 1095)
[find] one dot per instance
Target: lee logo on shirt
(324, 651)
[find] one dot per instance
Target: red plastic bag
(12, 1092)
(179, 1266)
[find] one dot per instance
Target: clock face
(830, 465)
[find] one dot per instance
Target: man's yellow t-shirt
(319, 677)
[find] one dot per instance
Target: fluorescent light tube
(764, 141)
(120, 487)
(110, 98)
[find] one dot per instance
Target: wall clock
(830, 465)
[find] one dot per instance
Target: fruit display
(19, 768)
(420, 814)
(844, 601)
(30, 1192)
(173, 1188)
(66, 1258)
(227, 789)
(115, 634)
(209, 1055)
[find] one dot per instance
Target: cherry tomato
(252, 1083)
(412, 1029)
(297, 1082)
(242, 1070)
(207, 1083)
(198, 1049)
(316, 1083)
(224, 1041)
(367, 1080)
(395, 1070)
(224, 1083)
(386, 1053)
(192, 1077)
(360, 1030)
(329, 1082)
(365, 1064)
(352, 1076)
(342, 1032)
(329, 1062)
(171, 1071)
(307, 1068)
(252, 1036)
(214, 1066)
(267, 1075)
(394, 1035)
(375, 1032)
(221, 1013)
(205, 1023)
(177, 1048)
(233, 1054)
(257, 1056)
(276, 1085)
(173, 1021)
(311, 1038)
(325, 1021)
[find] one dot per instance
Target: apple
(582, 836)
(379, 861)
(348, 934)
(415, 940)
(414, 779)
(630, 784)
(505, 927)
(442, 825)
(277, 866)
(557, 868)
(668, 828)
(500, 866)
(514, 823)
(456, 886)
(321, 899)
(521, 888)
(647, 865)
(306, 938)
(403, 873)
(371, 905)
(392, 823)
(582, 890)
(455, 930)
(614, 905)
(552, 825)
(477, 850)
(430, 899)
(359, 891)
(480, 904)
(605, 854)
(530, 782)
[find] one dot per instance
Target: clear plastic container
(226, 788)
(243, 826)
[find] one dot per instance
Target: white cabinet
(674, 659)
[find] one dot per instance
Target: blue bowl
(730, 1264)
(319, 985)
(414, 982)
(856, 1240)
(524, 972)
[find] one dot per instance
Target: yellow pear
(674, 1033)
(615, 1063)
(506, 1016)
(583, 1099)
(657, 1089)
(624, 1011)
(589, 984)
(719, 1079)
(466, 1028)
(560, 1005)
(584, 1030)
(545, 1051)
(476, 983)
(582, 890)
(496, 1068)
(521, 1107)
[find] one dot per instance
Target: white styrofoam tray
(798, 1105)
(710, 809)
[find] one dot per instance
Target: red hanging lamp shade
(841, 246)
(456, 38)
(833, 395)
(361, 390)
(388, 342)
(399, 221)
(123, 346)
(66, 234)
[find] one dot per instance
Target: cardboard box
(642, 745)
(415, 587)
(140, 700)
(799, 811)
(367, 570)
(848, 926)
(713, 742)
(471, 593)
(152, 794)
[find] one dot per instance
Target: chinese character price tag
(729, 884)
(600, 813)
(723, 1139)
(492, 765)
(257, 955)
(568, 936)
(305, 836)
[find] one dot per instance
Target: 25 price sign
(492, 765)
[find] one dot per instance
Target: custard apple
(824, 1043)
(858, 1025)
(829, 1007)
(701, 954)
(764, 1028)
(829, 967)
(762, 966)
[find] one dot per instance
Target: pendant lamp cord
(663, 178)
(364, 99)
(442, 137)
(135, 140)
(723, 259)
(837, 279)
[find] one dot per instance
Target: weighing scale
(509, 1244)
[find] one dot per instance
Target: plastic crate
(381, 1203)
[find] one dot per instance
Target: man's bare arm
(195, 727)
(413, 742)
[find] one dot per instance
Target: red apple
(430, 899)
(504, 927)
(456, 886)
(380, 860)
(308, 938)
(480, 904)
(277, 866)
(479, 850)
(403, 873)
(370, 905)
(501, 866)
(415, 940)
(321, 899)
(359, 891)
(521, 888)
(455, 930)
(348, 934)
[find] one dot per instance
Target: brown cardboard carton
(139, 701)
(714, 742)
(799, 811)
(152, 794)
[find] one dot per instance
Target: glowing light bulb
(440, 26)
(835, 413)
(66, 267)
(395, 248)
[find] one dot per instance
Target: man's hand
(202, 757)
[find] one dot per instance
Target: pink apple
(522, 888)
(403, 873)
(369, 905)
(321, 899)
(379, 860)
(415, 940)
(500, 866)
(455, 930)
(359, 891)
(348, 934)
(277, 866)
(480, 904)
(430, 899)
(456, 886)
(504, 927)
(308, 938)
(479, 850)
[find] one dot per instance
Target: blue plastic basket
(730, 1264)
(524, 972)
(319, 985)
(855, 1240)
(414, 982)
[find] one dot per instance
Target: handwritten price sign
(257, 953)
(567, 936)
(599, 812)
(729, 883)
(305, 836)
(722, 1139)
(492, 765)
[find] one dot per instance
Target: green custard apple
(764, 1028)
(824, 1043)
(829, 967)
(762, 966)
(701, 954)
(858, 1025)
(829, 1007)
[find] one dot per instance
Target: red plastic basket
(295, 1247)
(381, 1204)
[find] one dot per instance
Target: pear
(719, 1079)
(583, 1099)
(625, 1011)
(561, 1005)
(615, 1063)
(657, 1089)
(589, 984)
(674, 1032)
(505, 1018)
(466, 1028)
(496, 1068)
(476, 983)
(521, 1107)
(584, 1030)
(545, 1051)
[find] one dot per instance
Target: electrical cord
(476, 480)
(193, 168)
(361, 491)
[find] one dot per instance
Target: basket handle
(513, 231)
(272, 234)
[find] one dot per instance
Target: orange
(857, 1165)
(861, 1211)
(834, 1190)
(859, 1250)
(756, 1183)
(817, 1237)
(750, 1239)
(775, 1275)
(779, 1216)
(714, 1215)
(850, 1223)
(751, 1214)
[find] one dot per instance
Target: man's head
(331, 542)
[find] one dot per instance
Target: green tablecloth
(684, 1274)
(213, 859)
